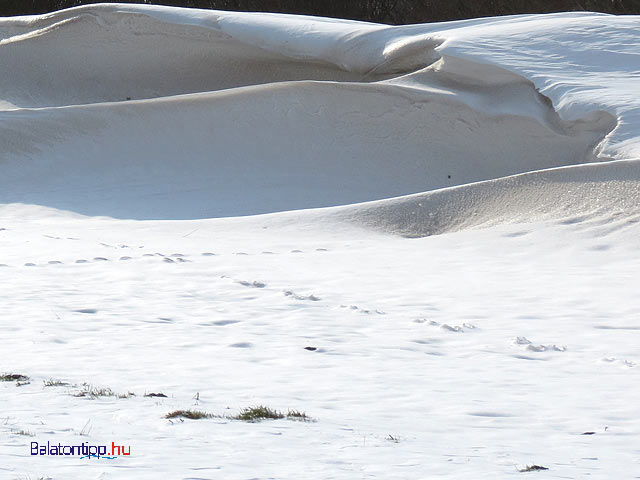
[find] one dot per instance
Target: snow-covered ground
(449, 214)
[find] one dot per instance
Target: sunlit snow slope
(156, 113)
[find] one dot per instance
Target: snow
(448, 213)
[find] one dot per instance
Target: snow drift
(162, 113)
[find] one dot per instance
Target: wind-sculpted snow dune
(572, 193)
(163, 113)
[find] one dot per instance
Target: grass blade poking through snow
(190, 414)
(259, 413)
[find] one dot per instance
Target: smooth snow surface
(332, 113)
(470, 289)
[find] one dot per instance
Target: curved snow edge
(578, 190)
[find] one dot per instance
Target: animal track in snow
(544, 348)
(444, 326)
(177, 260)
(619, 361)
(538, 348)
(289, 293)
(171, 258)
(455, 328)
(362, 310)
(253, 284)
